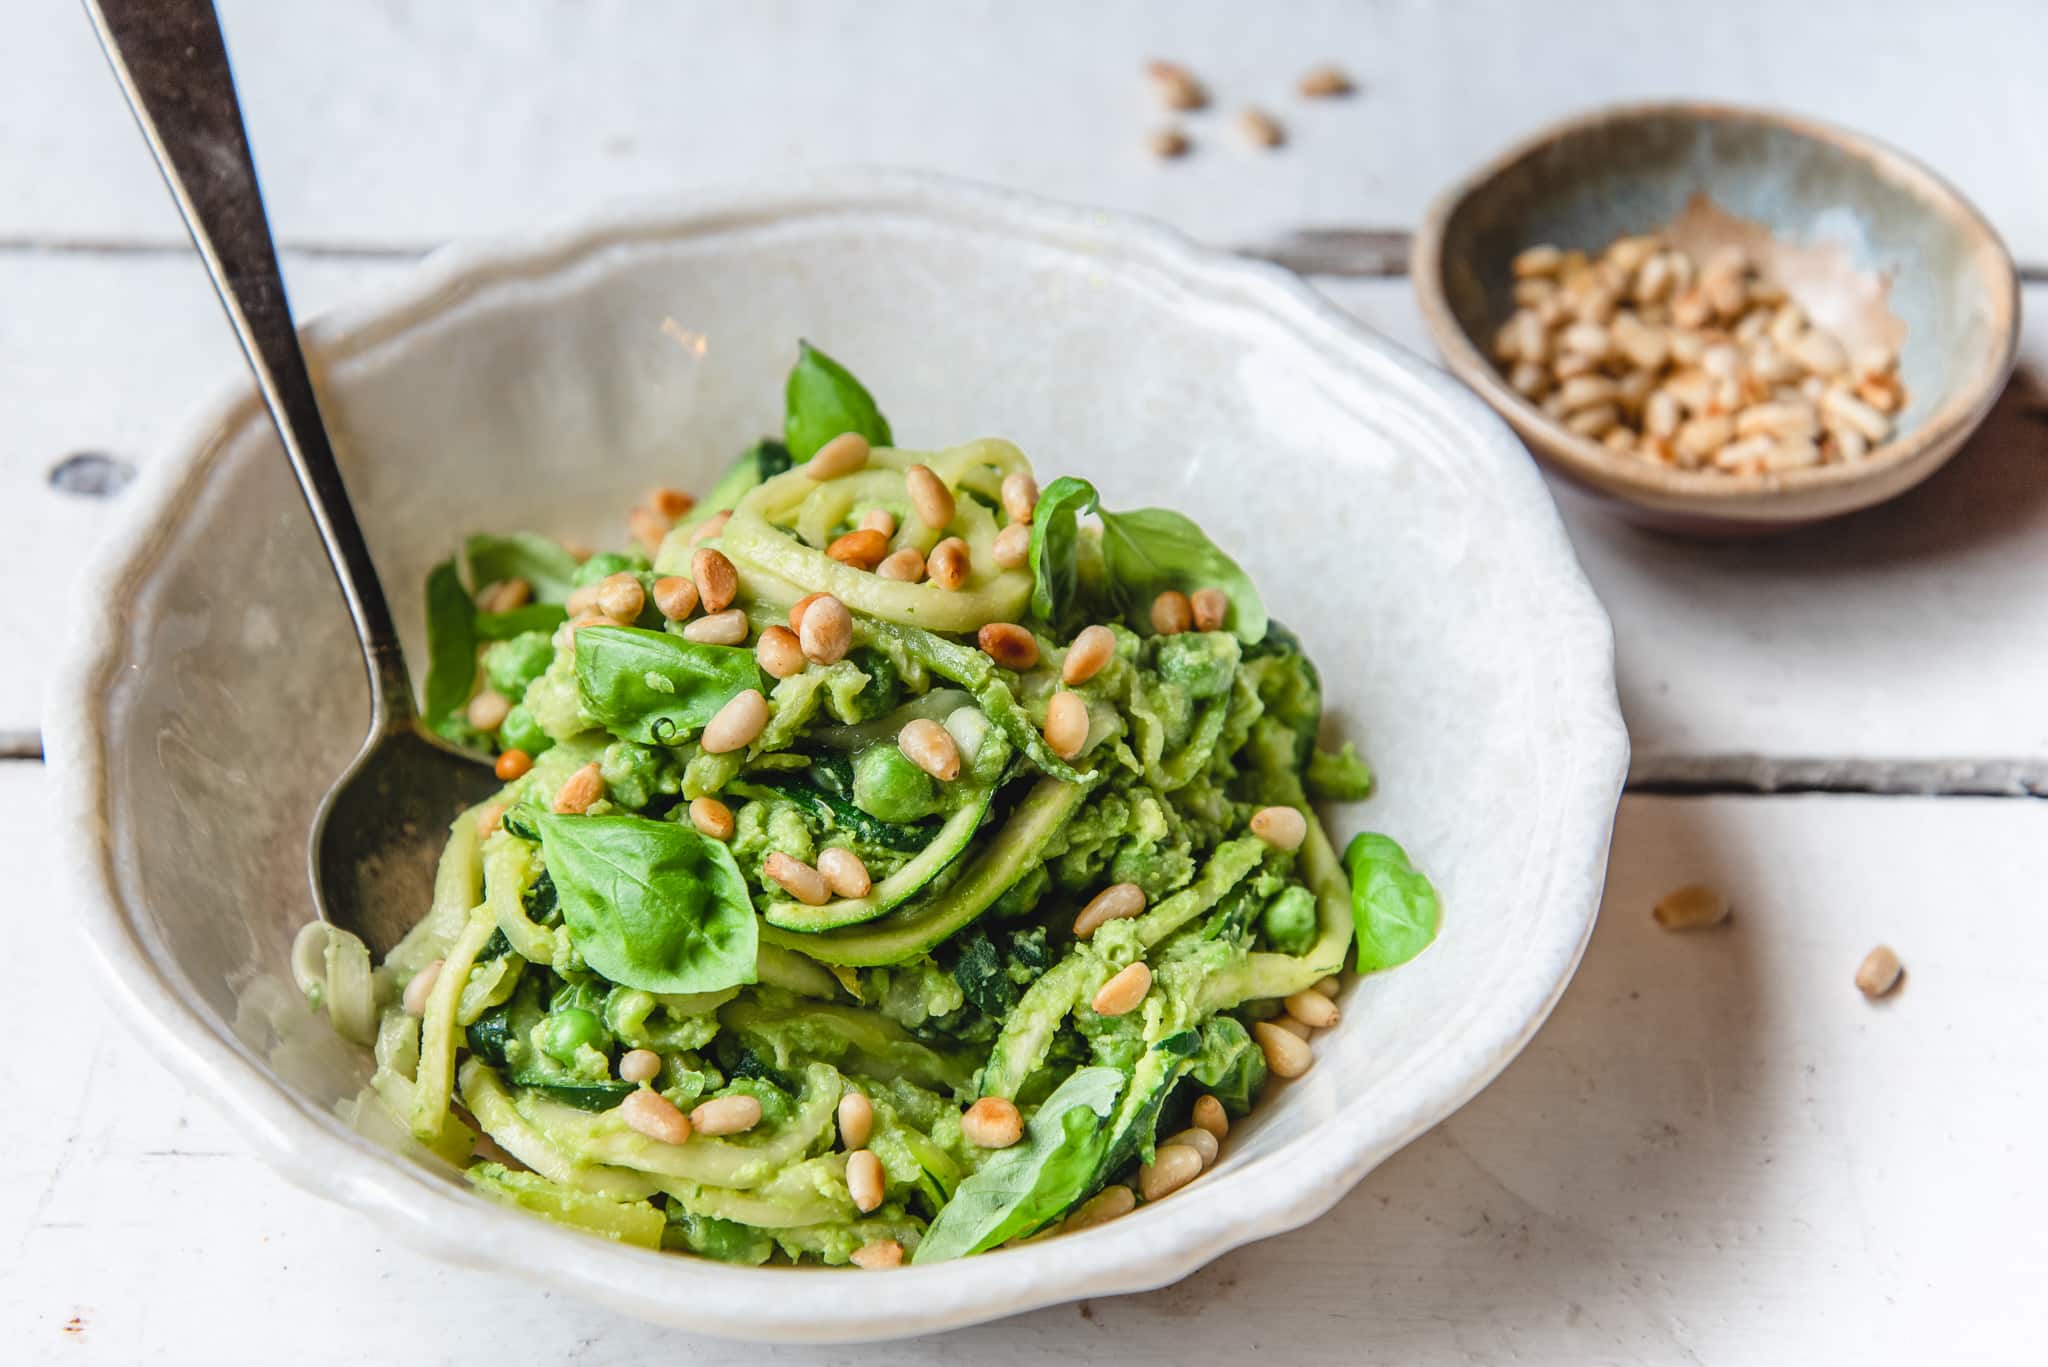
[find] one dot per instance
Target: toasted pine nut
(1172, 1167)
(734, 1114)
(1820, 353)
(844, 873)
(1168, 143)
(842, 455)
(1849, 443)
(647, 528)
(931, 748)
(709, 527)
(1879, 395)
(1853, 412)
(1211, 607)
(1328, 986)
(1312, 1009)
(1587, 339)
(948, 564)
(1873, 359)
(1020, 495)
(1012, 548)
(1324, 83)
(827, 630)
(1177, 86)
(992, 1123)
(882, 1253)
(1090, 651)
(864, 1179)
(1099, 1209)
(728, 628)
(717, 581)
(582, 600)
(676, 596)
(929, 496)
(579, 551)
(878, 520)
(1210, 1115)
(1201, 1141)
(1584, 391)
(1290, 1025)
(579, 790)
(1537, 261)
(1783, 418)
(654, 1115)
(639, 1065)
(734, 726)
(1792, 453)
(800, 607)
(797, 878)
(506, 595)
(620, 597)
(1879, 972)
(1690, 309)
(1008, 644)
(1260, 128)
(1114, 903)
(1066, 724)
(512, 764)
(856, 1120)
(420, 988)
(1287, 1054)
(1700, 438)
(1284, 828)
(1726, 292)
(1172, 613)
(905, 566)
(488, 709)
(1529, 379)
(779, 652)
(711, 817)
(1690, 908)
(861, 549)
(1123, 992)
(671, 503)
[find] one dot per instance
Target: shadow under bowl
(1637, 169)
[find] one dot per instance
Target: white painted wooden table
(1715, 1152)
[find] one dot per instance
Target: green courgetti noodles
(763, 956)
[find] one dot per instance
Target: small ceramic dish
(1800, 184)
(1388, 517)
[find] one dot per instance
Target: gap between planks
(1695, 775)
(1340, 253)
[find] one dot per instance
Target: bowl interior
(1389, 519)
(1637, 171)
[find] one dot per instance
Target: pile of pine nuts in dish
(1693, 365)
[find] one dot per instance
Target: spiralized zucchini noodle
(840, 909)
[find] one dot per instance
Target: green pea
(510, 666)
(888, 787)
(1289, 921)
(567, 1031)
(603, 565)
(521, 732)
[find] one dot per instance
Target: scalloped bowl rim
(314, 1151)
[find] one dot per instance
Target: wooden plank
(1913, 633)
(411, 123)
(1916, 632)
(1716, 1151)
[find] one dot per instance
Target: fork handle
(173, 67)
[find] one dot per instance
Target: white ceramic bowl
(1387, 515)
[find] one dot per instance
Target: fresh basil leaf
(1025, 1186)
(823, 400)
(656, 688)
(1055, 530)
(651, 904)
(451, 648)
(1393, 904)
(503, 626)
(1154, 549)
(542, 563)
